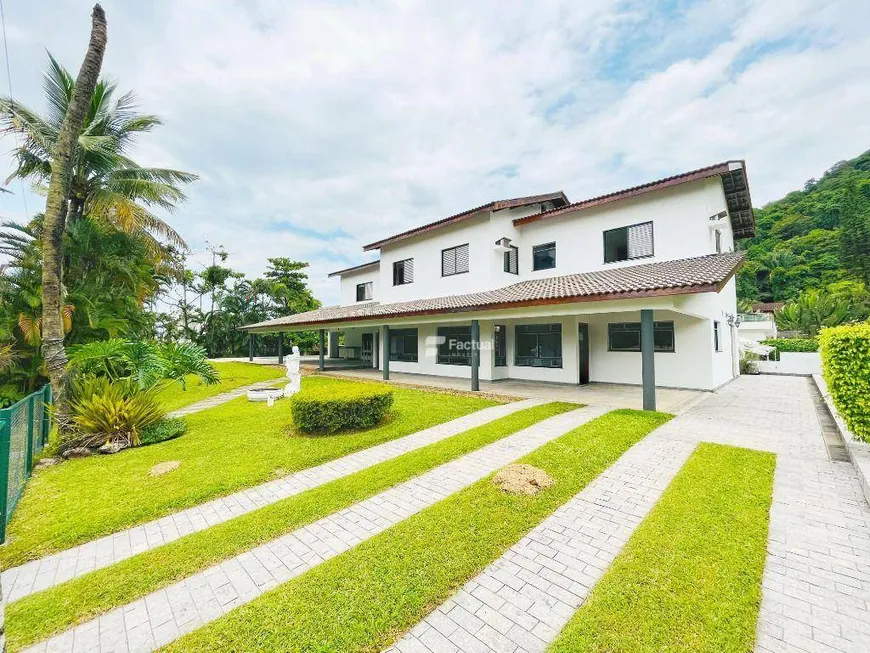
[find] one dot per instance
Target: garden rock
(522, 479)
(165, 467)
(77, 452)
(113, 447)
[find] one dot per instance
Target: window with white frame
(544, 256)
(717, 335)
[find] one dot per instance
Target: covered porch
(611, 395)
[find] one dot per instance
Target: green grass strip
(689, 578)
(225, 449)
(41, 615)
(365, 598)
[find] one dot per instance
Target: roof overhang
(558, 198)
(735, 185)
(355, 268)
(687, 276)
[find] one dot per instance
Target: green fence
(23, 433)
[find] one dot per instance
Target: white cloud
(369, 118)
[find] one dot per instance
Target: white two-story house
(633, 287)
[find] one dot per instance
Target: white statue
(291, 362)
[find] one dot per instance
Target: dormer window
(364, 291)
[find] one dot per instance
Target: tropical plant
(60, 157)
(812, 311)
(144, 364)
(105, 182)
(106, 411)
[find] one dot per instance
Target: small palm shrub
(357, 407)
(146, 363)
(105, 411)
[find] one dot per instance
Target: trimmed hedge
(166, 429)
(357, 407)
(799, 345)
(792, 344)
(846, 367)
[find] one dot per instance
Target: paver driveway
(816, 587)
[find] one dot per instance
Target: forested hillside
(815, 238)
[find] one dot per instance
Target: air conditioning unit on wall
(503, 245)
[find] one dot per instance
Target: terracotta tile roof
(354, 268)
(734, 183)
(558, 197)
(692, 275)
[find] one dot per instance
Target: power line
(11, 100)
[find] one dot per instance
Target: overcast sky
(319, 126)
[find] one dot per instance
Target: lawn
(367, 597)
(233, 375)
(41, 615)
(226, 448)
(689, 579)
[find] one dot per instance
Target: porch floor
(610, 395)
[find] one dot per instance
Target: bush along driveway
(227, 448)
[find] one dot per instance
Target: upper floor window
(364, 291)
(625, 336)
(403, 345)
(628, 243)
(718, 241)
(544, 256)
(454, 260)
(717, 335)
(511, 260)
(403, 272)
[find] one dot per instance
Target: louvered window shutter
(409, 271)
(640, 240)
(448, 262)
(461, 258)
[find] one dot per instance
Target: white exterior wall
(681, 229)
(349, 283)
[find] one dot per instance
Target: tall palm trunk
(56, 206)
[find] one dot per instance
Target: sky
(317, 127)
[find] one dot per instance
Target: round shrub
(166, 429)
(325, 412)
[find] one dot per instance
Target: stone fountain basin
(263, 394)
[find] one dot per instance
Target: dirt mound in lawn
(522, 479)
(164, 468)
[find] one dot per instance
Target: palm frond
(58, 85)
(130, 217)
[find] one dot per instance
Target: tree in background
(812, 311)
(855, 230)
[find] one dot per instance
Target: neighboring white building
(555, 291)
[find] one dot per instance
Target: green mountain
(811, 238)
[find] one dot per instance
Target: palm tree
(105, 183)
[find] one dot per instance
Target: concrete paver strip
(816, 585)
(57, 568)
(167, 614)
(224, 397)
